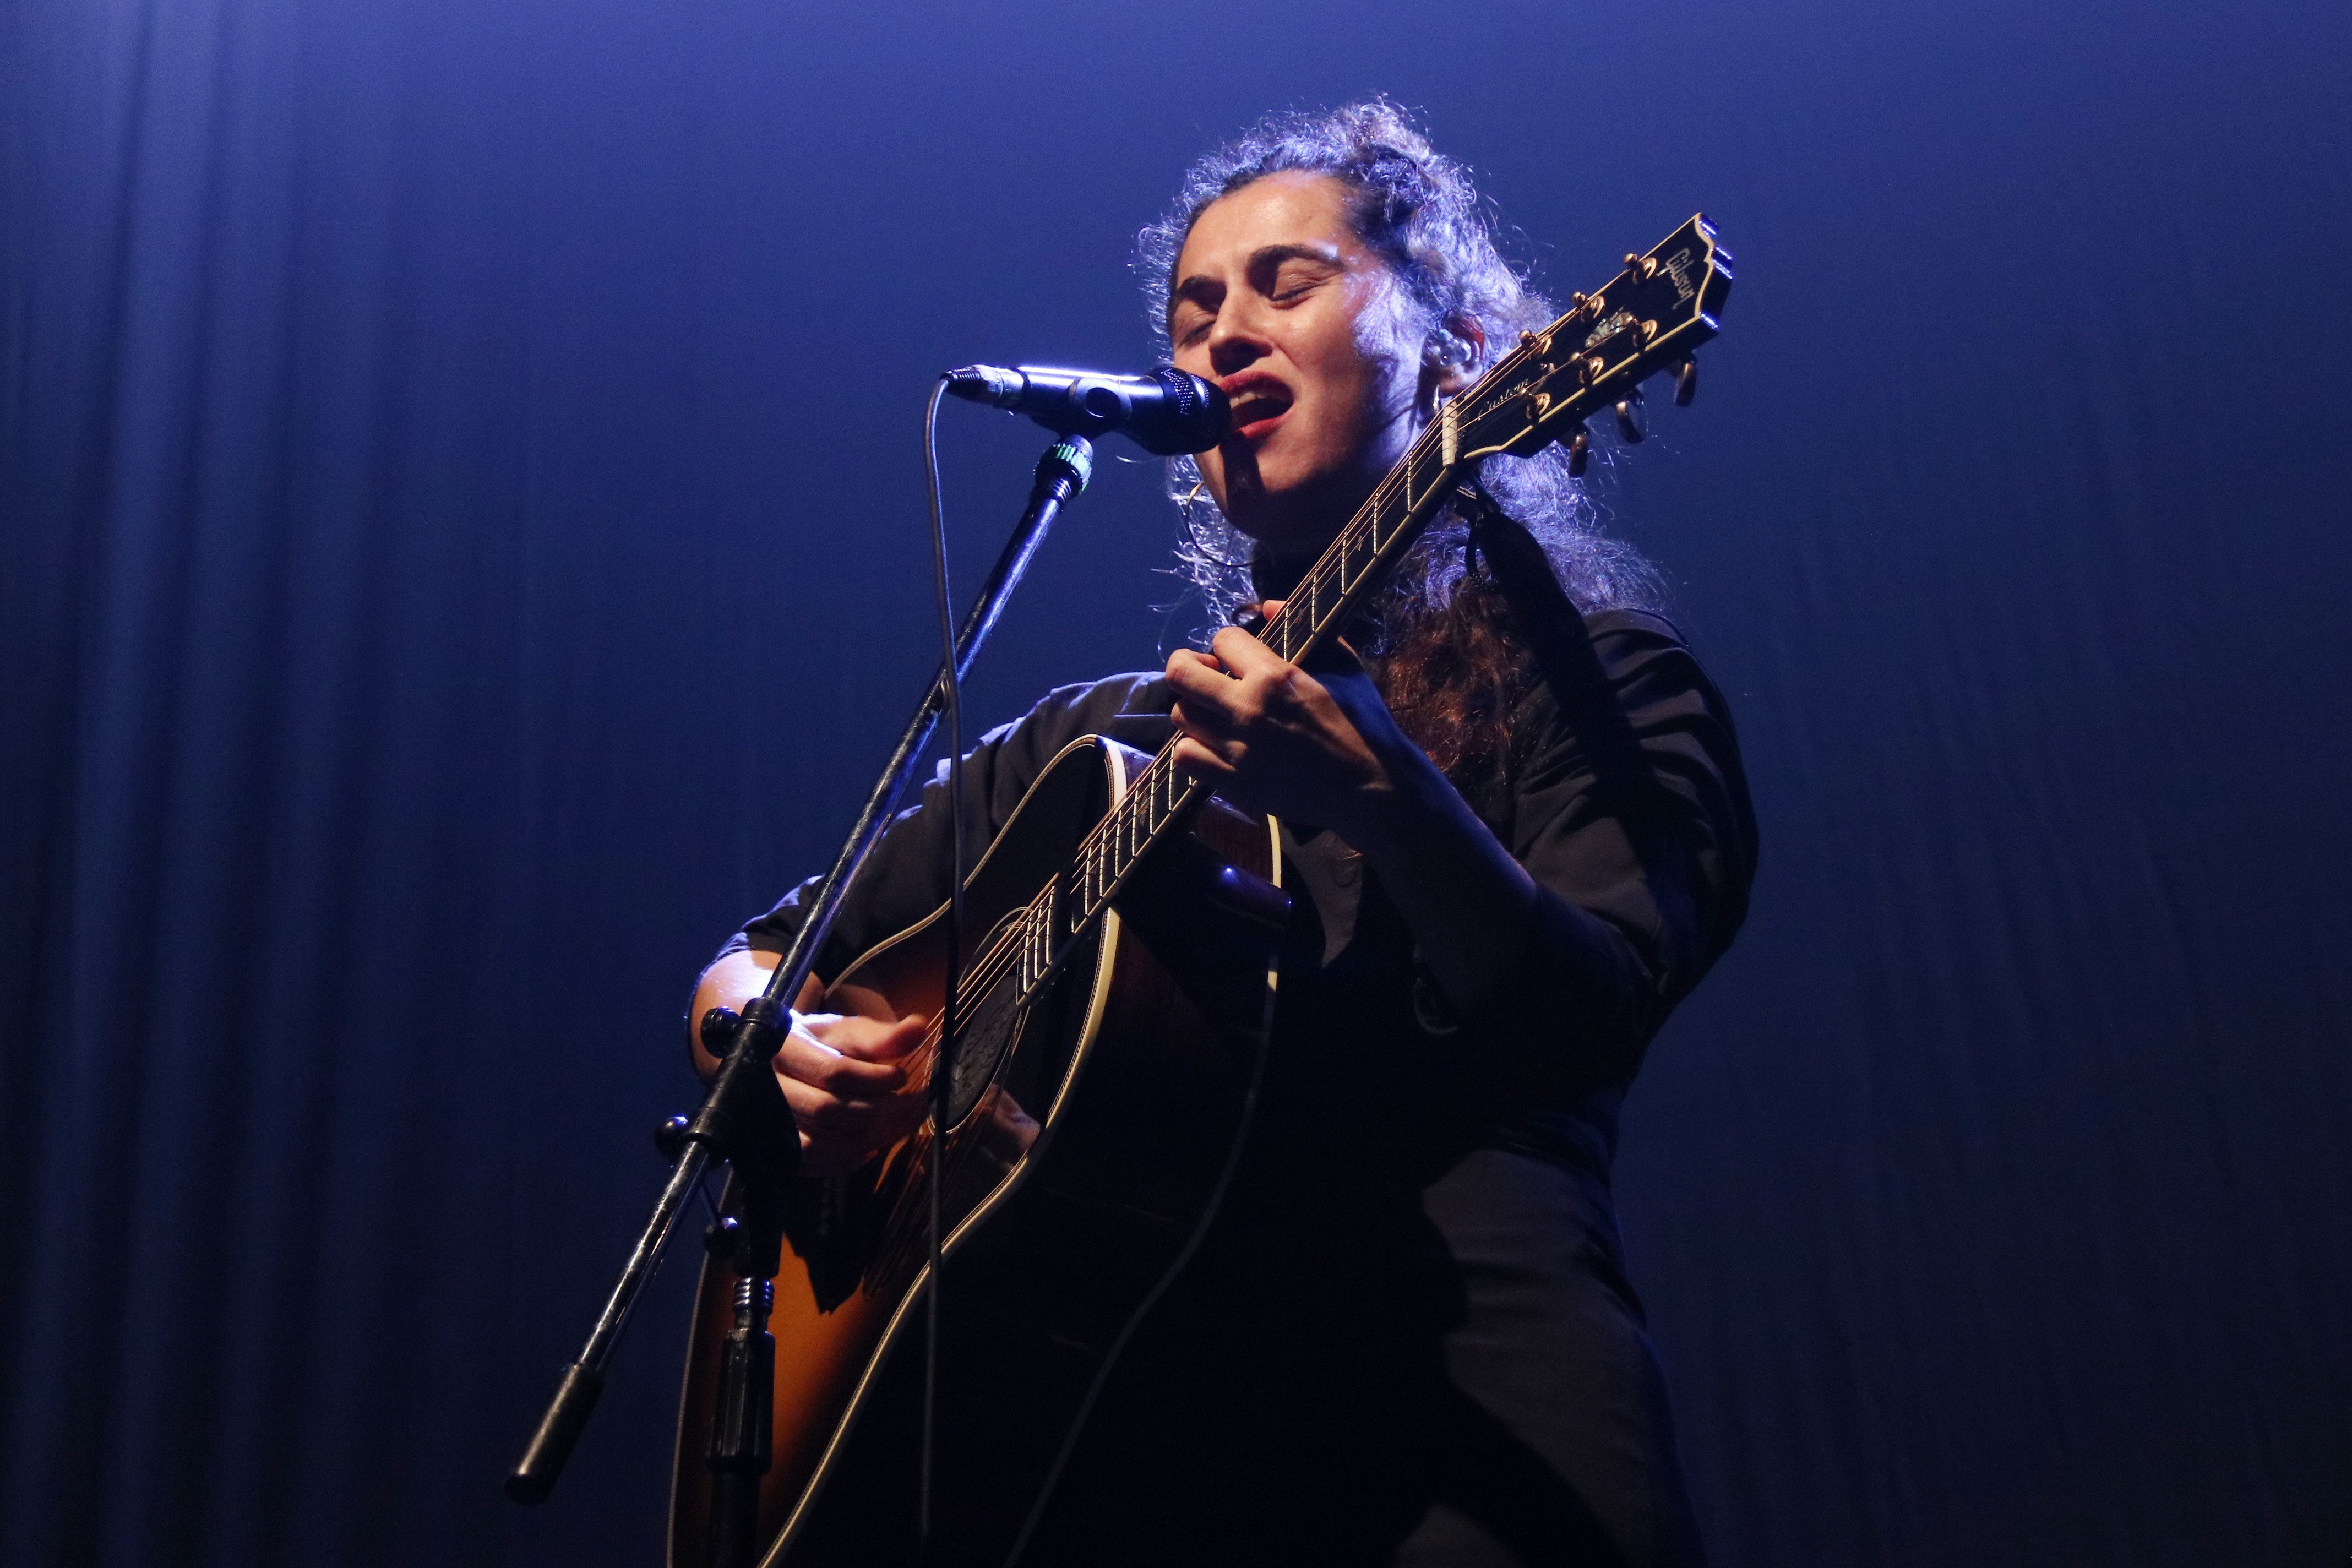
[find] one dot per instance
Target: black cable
(943, 1060)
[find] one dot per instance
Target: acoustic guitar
(1118, 985)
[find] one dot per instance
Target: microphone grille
(1202, 413)
(1184, 387)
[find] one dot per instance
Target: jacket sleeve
(1641, 842)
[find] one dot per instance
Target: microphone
(1170, 412)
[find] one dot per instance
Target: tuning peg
(1579, 452)
(1641, 267)
(670, 1137)
(1685, 383)
(1629, 419)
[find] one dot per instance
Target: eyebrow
(1264, 256)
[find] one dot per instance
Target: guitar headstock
(1649, 318)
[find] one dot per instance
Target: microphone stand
(745, 1122)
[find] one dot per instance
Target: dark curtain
(461, 550)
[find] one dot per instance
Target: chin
(1286, 532)
(1296, 519)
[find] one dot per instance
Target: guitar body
(1099, 1120)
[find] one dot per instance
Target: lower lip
(1258, 429)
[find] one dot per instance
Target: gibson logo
(1677, 266)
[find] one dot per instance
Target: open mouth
(1258, 404)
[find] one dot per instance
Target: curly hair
(1440, 638)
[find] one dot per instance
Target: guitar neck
(1359, 560)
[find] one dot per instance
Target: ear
(1468, 331)
(1451, 359)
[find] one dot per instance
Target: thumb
(884, 1043)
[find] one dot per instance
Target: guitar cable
(943, 1060)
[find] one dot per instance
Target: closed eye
(1289, 274)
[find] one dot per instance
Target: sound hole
(991, 1024)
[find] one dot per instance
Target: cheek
(1354, 365)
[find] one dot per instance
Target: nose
(1236, 339)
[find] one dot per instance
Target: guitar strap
(1564, 656)
(1625, 783)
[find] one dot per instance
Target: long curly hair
(1440, 637)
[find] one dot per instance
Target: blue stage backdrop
(461, 550)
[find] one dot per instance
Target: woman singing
(1409, 1337)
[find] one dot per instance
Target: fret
(1277, 636)
(1380, 544)
(1394, 510)
(1355, 555)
